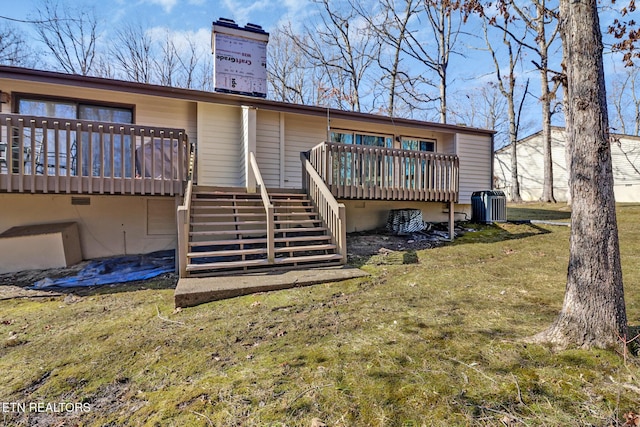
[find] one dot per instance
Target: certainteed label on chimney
(240, 58)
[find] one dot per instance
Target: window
(55, 159)
(418, 144)
(64, 109)
(348, 137)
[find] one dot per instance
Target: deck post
(451, 220)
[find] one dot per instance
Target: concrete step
(194, 291)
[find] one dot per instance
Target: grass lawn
(437, 343)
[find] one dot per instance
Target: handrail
(332, 213)
(183, 219)
(268, 208)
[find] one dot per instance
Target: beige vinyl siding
(161, 217)
(110, 225)
(220, 145)
(268, 147)
(474, 153)
(148, 110)
(301, 134)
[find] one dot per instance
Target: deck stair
(228, 232)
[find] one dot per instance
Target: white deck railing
(378, 173)
(40, 154)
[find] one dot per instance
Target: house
(218, 176)
(625, 156)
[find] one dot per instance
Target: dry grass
(438, 343)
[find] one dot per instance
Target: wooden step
(215, 193)
(227, 202)
(287, 201)
(227, 215)
(227, 223)
(229, 242)
(225, 253)
(324, 247)
(225, 232)
(300, 229)
(309, 258)
(297, 221)
(226, 264)
(302, 238)
(239, 207)
(311, 214)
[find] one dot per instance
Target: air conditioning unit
(488, 206)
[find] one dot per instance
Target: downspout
(493, 153)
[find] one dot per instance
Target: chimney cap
(226, 22)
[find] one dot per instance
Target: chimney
(240, 58)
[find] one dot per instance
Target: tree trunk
(593, 312)
(513, 140)
(545, 96)
(547, 189)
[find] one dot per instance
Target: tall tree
(70, 34)
(443, 20)
(288, 72)
(342, 48)
(133, 53)
(401, 90)
(593, 313)
(625, 100)
(507, 86)
(541, 19)
(167, 62)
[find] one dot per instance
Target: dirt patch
(369, 243)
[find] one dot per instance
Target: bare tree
(507, 85)
(625, 100)
(14, 49)
(167, 62)
(542, 21)
(593, 313)
(288, 72)
(444, 22)
(343, 49)
(70, 34)
(132, 51)
(395, 84)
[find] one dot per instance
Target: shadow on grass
(519, 213)
(492, 233)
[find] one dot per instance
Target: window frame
(419, 140)
(78, 102)
(388, 138)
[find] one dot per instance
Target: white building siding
(625, 157)
(220, 147)
(474, 153)
(531, 168)
(268, 147)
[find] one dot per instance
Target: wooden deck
(378, 173)
(50, 155)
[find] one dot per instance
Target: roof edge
(54, 77)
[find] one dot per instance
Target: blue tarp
(126, 268)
